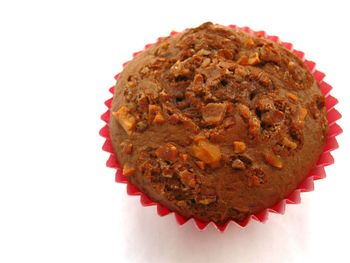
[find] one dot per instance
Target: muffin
(217, 124)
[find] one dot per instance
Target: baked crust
(217, 124)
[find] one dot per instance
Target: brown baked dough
(217, 124)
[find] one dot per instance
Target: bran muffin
(217, 124)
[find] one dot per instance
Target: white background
(58, 201)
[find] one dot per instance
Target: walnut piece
(181, 203)
(178, 118)
(203, 52)
(213, 113)
(131, 84)
(273, 160)
(141, 126)
(249, 42)
(158, 119)
(256, 181)
(292, 96)
(153, 108)
(155, 115)
(188, 178)
(126, 147)
(289, 143)
(126, 119)
(254, 59)
(197, 83)
(254, 125)
(244, 111)
(301, 117)
(225, 53)
(167, 152)
(207, 200)
(243, 60)
(238, 164)
(128, 170)
(184, 157)
(207, 152)
(164, 45)
(205, 62)
(199, 137)
(239, 147)
(272, 117)
(265, 104)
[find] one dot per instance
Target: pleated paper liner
(318, 172)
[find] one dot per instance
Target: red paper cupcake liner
(318, 172)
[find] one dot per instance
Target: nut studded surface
(217, 124)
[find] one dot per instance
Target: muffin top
(217, 124)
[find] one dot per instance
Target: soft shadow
(160, 239)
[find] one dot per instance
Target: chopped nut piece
(251, 60)
(178, 69)
(291, 66)
(200, 164)
(256, 181)
(244, 111)
(264, 80)
(292, 96)
(167, 152)
(205, 62)
(254, 59)
(241, 71)
(188, 178)
(199, 137)
(207, 152)
(126, 147)
(141, 126)
(203, 52)
(228, 122)
(181, 203)
(154, 114)
(207, 200)
(126, 119)
(243, 60)
(153, 108)
(145, 70)
(158, 119)
(167, 173)
(265, 104)
(164, 45)
(187, 122)
(184, 157)
(273, 160)
(239, 147)
(249, 42)
(164, 96)
(301, 116)
(128, 170)
(225, 53)
(238, 164)
(272, 117)
(131, 84)
(268, 53)
(166, 170)
(197, 83)
(289, 143)
(213, 113)
(254, 126)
